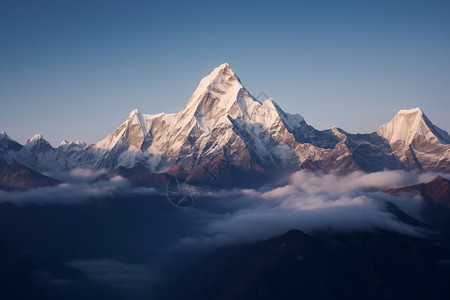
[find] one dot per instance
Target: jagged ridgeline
(222, 121)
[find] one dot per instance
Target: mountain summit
(223, 122)
(416, 141)
(222, 90)
(412, 125)
(221, 118)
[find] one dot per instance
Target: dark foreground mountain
(327, 265)
(104, 249)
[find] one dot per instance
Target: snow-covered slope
(412, 124)
(222, 121)
(37, 154)
(8, 147)
(416, 141)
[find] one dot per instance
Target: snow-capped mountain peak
(221, 98)
(36, 138)
(66, 143)
(7, 144)
(4, 135)
(416, 110)
(63, 143)
(38, 144)
(411, 124)
(222, 75)
(33, 148)
(81, 143)
(133, 113)
(129, 135)
(221, 92)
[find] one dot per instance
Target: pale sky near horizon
(75, 69)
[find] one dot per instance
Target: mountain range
(224, 127)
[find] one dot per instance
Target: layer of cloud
(78, 175)
(312, 202)
(308, 202)
(74, 193)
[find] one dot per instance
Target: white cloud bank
(74, 193)
(312, 202)
(308, 202)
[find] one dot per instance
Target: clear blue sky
(75, 69)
